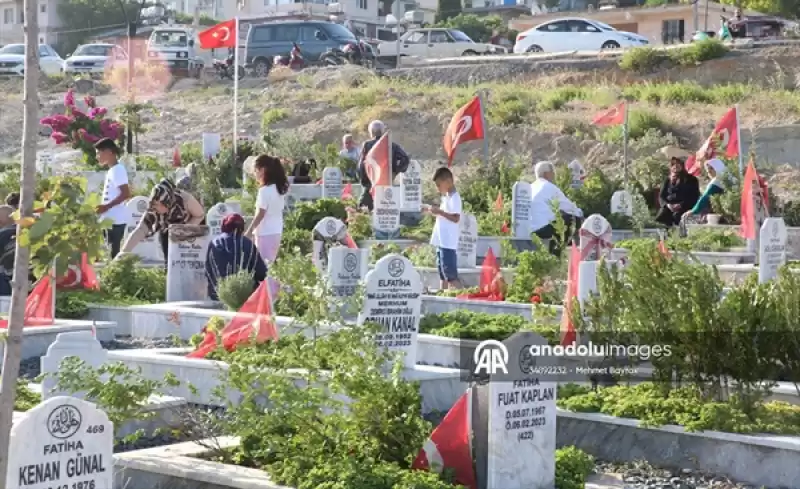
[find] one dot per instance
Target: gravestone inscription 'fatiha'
(186, 265)
(622, 203)
(467, 241)
(64, 442)
(328, 233)
(772, 248)
(332, 183)
(386, 212)
(216, 215)
(521, 210)
(81, 344)
(394, 301)
(411, 183)
(595, 238)
(148, 249)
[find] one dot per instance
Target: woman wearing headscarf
(231, 252)
(716, 171)
(168, 205)
(679, 193)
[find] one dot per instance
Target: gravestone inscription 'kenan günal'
(63, 442)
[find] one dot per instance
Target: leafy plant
(125, 279)
(234, 290)
(359, 224)
(573, 466)
(534, 275)
(306, 215)
(26, 398)
(468, 325)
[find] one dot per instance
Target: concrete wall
(774, 145)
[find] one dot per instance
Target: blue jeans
(447, 263)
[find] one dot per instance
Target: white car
(12, 60)
(574, 34)
(437, 43)
(94, 58)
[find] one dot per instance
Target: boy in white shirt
(445, 231)
(116, 192)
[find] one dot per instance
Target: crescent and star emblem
(227, 31)
(464, 126)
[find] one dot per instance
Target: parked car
(265, 41)
(575, 34)
(437, 43)
(12, 60)
(94, 59)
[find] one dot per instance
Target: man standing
(115, 192)
(8, 233)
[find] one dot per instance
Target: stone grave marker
(521, 210)
(215, 216)
(411, 183)
(772, 248)
(44, 162)
(64, 442)
(514, 418)
(596, 241)
(234, 207)
(149, 249)
(347, 268)
(212, 143)
(386, 212)
(467, 241)
(622, 203)
(577, 173)
(394, 301)
(81, 344)
(328, 232)
(186, 264)
(332, 183)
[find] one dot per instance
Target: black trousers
(573, 223)
(667, 217)
(114, 238)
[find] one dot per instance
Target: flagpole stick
(236, 91)
(482, 97)
(739, 141)
(625, 148)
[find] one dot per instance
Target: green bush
(697, 52)
(125, 279)
(642, 59)
(646, 59)
(306, 215)
(573, 466)
(639, 124)
(234, 290)
(26, 398)
(468, 325)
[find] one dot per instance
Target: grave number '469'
(95, 429)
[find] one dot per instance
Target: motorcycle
(358, 53)
(333, 57)
(224, 68)
(294, 61)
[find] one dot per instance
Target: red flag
(347, 191)
(378, 163)
(498, 203)
(348, 240)
(662, 248)
(222, 35)
(613, 116)
(725, 137)
(79, 277)
(39, 306)
(176, 157)
(504, 229)
(568, 333)
(754, 189)
(319, 182)
(208, 345)
(466, 125)
(491, 281)
(449, 445)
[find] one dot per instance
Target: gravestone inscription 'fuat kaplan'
(394, 301)
(186, 266)
(63, 442)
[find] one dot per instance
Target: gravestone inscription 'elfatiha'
(186, 265)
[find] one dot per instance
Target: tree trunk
(19, 295)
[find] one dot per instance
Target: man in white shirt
(544, 196)
(116, 192)
(445, 231)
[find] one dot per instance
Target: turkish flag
(39, 307)
(378, 163)
(490, 287)
(347, 191)
(498, 203)
(755, 197)
(466, 125)
(662, 248)
(79, 276)
(504, 229)
(725, 138)
(449, 445)
(222, 35)
(568, 333)
(613, 116)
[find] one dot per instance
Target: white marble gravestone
(622, 203)
(186, 264)
(521, 210)
(411, 183)
(212, 143)
(772, 248)
(332, 183)
(393, 300)
(149, 249)
(577, 174)
(467, 241)
(62, 442)
(328, 232)
(347, 268)
(386, 212)
(216, 215)
(595, 238)
(44, 162)
(81, 344)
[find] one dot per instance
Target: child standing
(445, 231)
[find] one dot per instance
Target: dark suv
(265, 41)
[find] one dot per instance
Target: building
(667, 24)
(13, 17)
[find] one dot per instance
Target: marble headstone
(328, 233)
(467, 241)
(577, 174)
(62, 442)
(772, 248)
(215, 216)
(386, 212)
(186, 265)
(521, 210)
(332, 183)
(394, 301)
(148, 249)
(595, 238)
(44, 162)
(411, 182)
(212, 143)
(622, 203)
(347, 268)
(81, 344)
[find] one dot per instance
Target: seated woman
(231, 252)
(716, 170)
(679, 193)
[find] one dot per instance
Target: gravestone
(394, 301)
(514, 419)
(234, 207)
(386, 212)
(577, 174)
(149, 249)
(332, 183)
(328, 233)
(622, 203)
(64, 442)
(212, 143)
(44, 162)
(467, 241)
(216, 215)
(772, 248)
(81, 344)
(186, 264)
(596, 240)
(411, 183)
(248, 171)
(521, 210)
(347, 268)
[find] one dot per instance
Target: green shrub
(468, 325)
(697, 52)
(234, 290)
(639, 124)
(26, 398)
(271, 116)
(558, 98)
(306, 215)
(642, 59)
(125, 279)
(573, 466)
(510, 108)
(70, 306)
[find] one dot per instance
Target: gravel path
(642, 475)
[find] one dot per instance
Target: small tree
(447, 9)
